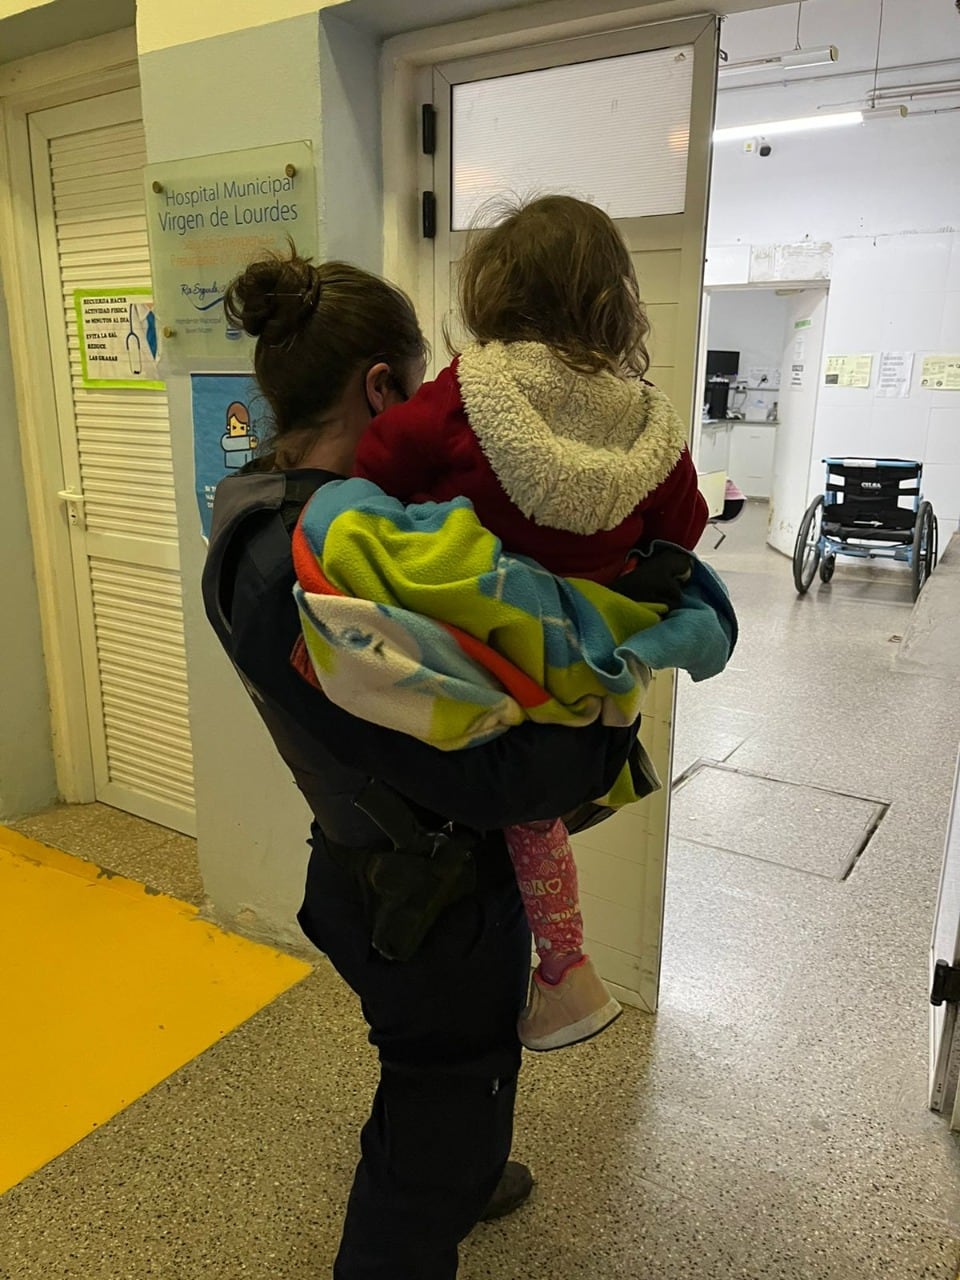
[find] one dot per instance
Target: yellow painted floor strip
(105, 990)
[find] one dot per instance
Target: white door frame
(406, 81)
(66, 75)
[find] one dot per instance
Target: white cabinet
(751, 457)
(714, 446)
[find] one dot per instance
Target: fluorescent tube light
(792, 60)
(809, 57)
(885, 111)
(773, 128)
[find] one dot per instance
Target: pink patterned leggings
(542, 858)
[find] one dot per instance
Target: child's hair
(316, 326)
(556, 271)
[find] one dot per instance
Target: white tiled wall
(887, 294)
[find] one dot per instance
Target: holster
(411, 885)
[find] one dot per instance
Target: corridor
(769, 1123)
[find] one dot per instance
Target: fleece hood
(573, 451)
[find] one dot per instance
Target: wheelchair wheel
(923, 555)
(807, 549)
(936, 545)
(827, 566)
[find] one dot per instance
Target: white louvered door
(88, 160)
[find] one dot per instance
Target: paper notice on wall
(849, 371)
(895, 374)
(800, 348)
(808, 260)
(117, 331)
(940, 373)
(763, 262)
(796, 375)
(763, 377)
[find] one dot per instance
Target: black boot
(513, 1190)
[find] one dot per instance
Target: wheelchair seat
(864, 499)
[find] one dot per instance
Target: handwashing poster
(226, 431)
(117, 329)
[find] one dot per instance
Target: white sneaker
(575, 1009)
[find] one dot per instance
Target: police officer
(407, 861)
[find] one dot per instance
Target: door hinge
(428, 128)
(429, 214)
(946, 983)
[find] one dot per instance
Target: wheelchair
(872, 508)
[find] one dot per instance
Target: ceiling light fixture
(809, 57)
(793, 60)
(888, 111)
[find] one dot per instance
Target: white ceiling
(914, 32)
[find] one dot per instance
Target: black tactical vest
(328, 786)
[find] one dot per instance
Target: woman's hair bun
(274, 298)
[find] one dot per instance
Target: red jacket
(572, 470)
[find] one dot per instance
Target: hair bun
(272, 299)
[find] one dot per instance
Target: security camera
(765, 149)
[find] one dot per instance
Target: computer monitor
(723, 364)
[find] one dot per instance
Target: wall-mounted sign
(117, 329)
(226, 431)
(209, 216)
(849, 371)
(940, 373)
(896, 372)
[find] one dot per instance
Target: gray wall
(299, 79)
(350, 174)
(27, 777)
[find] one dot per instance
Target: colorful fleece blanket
(416, 619)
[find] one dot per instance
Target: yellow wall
(161, 24)
(9, 7)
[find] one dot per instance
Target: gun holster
(412, 884)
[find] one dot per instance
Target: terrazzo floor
(769, 1124)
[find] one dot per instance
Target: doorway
(760, 360)
(107, 550)
(561, 117)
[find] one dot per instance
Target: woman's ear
(378, 385)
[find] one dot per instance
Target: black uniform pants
(444, 1024)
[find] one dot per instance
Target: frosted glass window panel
(614, 131)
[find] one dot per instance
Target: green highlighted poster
(117, 329)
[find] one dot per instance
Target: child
(545, 423)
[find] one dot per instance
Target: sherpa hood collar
(573, 451)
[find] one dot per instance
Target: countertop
(738, 422)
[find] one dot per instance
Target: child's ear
(378, 385)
